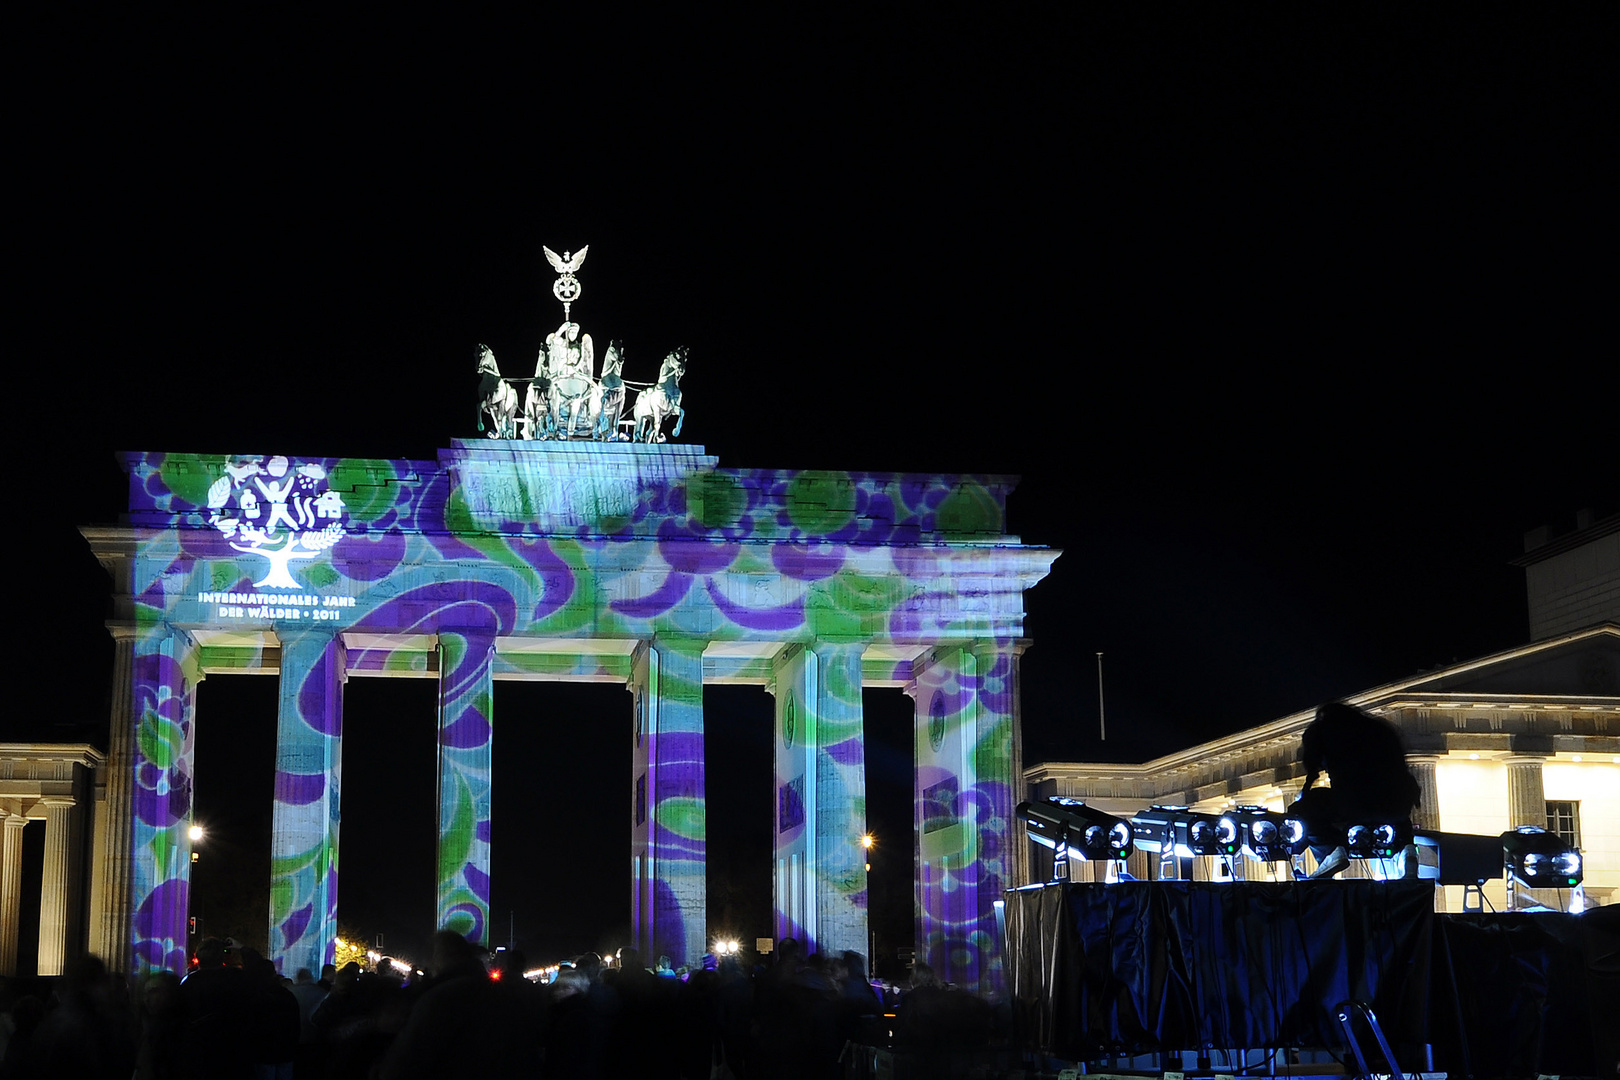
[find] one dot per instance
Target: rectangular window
(1564, 819)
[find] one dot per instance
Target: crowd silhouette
(233, 1017)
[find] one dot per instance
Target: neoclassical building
(1527, 736)
(54, 784)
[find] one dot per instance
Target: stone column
(304, 827)
(1527, 805)
(839, 871)
(967, 781)
(1427, 814)
(164, 677)
(941, 694)
(466, 754)
(11, 891)
(1527, 799)
(795, 685)
(669, 832)
(58, 906)
(112, 878)
(997, 780)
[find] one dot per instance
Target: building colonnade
(965, 699)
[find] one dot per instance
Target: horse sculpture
(607, 396)
(496, 398)
(569, 398)
(661, 400)
(537, 403)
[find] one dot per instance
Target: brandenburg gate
(647, 565)
(558, 548)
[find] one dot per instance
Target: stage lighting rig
(1377, 839)
(1070, 827)
(1460, 859)
(1264, 833)
(1186, 833)
(1539, 859)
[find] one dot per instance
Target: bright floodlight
(1264, 833)
(196, 833)
(1077, 829)
(1377, 839)
(1540, 859)
(1187, 832)
(868, 840)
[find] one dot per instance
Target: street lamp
(868, 842)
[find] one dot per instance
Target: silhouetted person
(466, 1025)
(85, 1037)
(1364, 757)
(161, 1029)
(220, 1015)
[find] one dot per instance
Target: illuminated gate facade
(646, 565)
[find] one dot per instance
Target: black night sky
(1291, 326)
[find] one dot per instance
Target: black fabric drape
(1169, 965)
(1141, 966)
(1524, 993)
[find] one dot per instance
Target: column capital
(287, 635)
(678, 642)
(15, 821)
(122, 631)
(1016, 646)
(1522, 759)
(57, 802)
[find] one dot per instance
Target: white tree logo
(265, 509)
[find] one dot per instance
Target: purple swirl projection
(667, 595)
(782, 617)
(299, 789)
(747, 554)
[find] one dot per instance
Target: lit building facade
(1528, 736)
(1495, 743)
(644, 565)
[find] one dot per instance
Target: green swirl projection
(565, 560)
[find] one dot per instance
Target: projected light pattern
(165, 680)
(840, 767)
(563, 541)
(465, 761)
(676, 811)
(964, 739)
(304, 831)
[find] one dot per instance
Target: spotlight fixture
(1264, 833)
(1459, 858)
(1377, 839)
(1153, 829)
(1072, 827)
(1185, 832)
(1540, 860)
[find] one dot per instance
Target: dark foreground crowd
(234, 1018)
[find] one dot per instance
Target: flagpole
(1102, 720)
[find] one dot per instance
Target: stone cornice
(1208, 762)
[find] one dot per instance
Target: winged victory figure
(564, 264)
